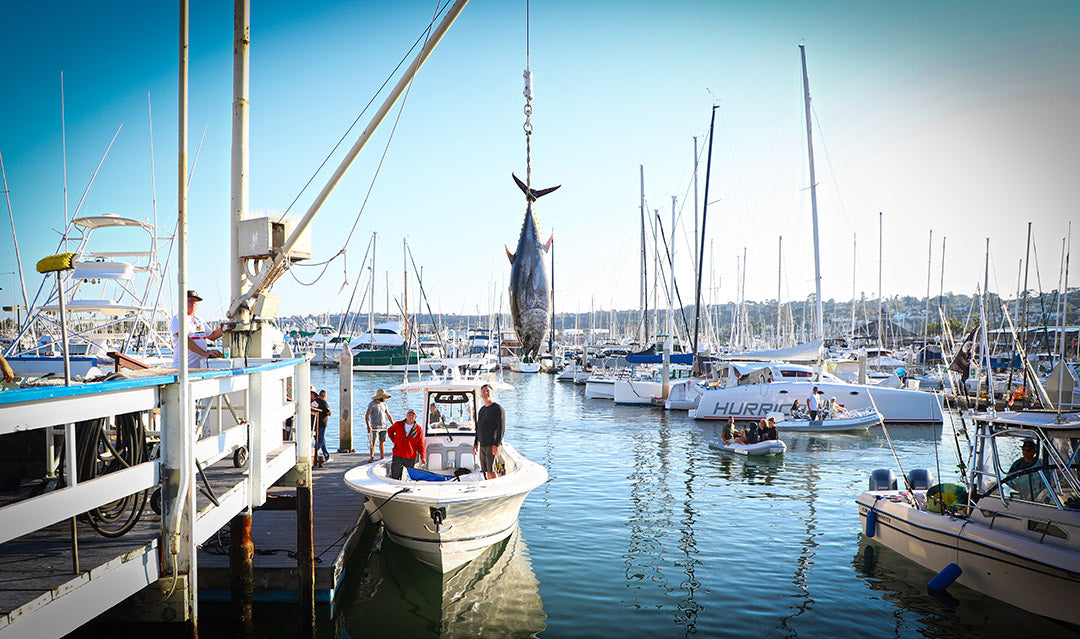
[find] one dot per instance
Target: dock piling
(242, 573)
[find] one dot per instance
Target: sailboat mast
(854, 255)
(371, 303)
(879, 293)
(704, 217)
(779, 271)
(819, 326)
(695, 206)
(644, 275)
(929, 264)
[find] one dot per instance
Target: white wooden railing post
(257, 421)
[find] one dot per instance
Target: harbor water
(643, 531)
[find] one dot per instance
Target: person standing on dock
(490, 424)
(378, 420)
(324, 420)
(408, 439)
(198, 352)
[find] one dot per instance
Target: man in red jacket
(408, 439)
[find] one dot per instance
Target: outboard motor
(920, 479)
(882, 479)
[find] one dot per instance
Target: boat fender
(945, 578)
(920, 479)
(871, 522)
(882, 479)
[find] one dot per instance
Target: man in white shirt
(812, 405)
(197, 336)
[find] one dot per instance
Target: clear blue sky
(958, 117)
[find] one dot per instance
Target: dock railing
(239, 412)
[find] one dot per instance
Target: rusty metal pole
(242, 573)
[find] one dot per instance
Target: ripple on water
(643, 531)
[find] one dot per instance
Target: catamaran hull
(1034, 575)
(756, 401)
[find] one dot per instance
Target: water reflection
(958, 612)
(496, 594)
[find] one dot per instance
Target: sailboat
(757, 400)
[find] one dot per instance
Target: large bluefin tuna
(530, 295)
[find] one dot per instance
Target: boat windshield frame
(1057, 465)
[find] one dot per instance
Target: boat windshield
(450, 411)
(1041, 468)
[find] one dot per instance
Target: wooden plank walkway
(339, 520)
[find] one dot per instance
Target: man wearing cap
(197, 336)
(408, 439)
(378, 420)
(1020, 478)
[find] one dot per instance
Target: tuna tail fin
(532, 194)
(510, 256)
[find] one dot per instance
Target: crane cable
(528, 127)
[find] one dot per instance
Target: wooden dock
(339, 519)
(204, 483)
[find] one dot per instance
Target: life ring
(946, 498)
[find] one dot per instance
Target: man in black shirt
(490, 423)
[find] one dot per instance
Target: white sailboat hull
(600, 389)
(638, 392)
(756, 401)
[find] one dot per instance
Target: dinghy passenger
(408, 440)
(769, 432)
(835, 409)
(796, 411)
(729, 433)
(490, 423)
(1027, 484)
(752, 434)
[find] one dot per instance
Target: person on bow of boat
(796, 411)
(490, 423)
(408, 440)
